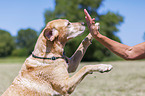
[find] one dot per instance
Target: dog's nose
(82, 23)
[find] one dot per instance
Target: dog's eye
(68, 24)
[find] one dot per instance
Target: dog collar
(52, 58)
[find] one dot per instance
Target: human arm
(124, 51)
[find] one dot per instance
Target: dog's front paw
(88, 40)
(89, 36)
(104, 68)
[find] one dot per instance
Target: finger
(93, 20)
(87, 14)
(88, 17)
(88, 22)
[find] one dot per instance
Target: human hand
(94, 28)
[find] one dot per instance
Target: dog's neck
(46, 48)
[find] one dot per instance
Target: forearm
(79, 53)
(124, 51)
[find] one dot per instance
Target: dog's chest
(51, 70)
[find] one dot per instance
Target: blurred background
(21, 22)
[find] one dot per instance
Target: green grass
(126, 79)
(12, 60)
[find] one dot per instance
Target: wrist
(97, 36)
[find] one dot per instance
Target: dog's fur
(43, 77)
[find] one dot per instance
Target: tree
(6, 43)
(73, 11)
(26, 39)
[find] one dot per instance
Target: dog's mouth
(82, 29)
(74, 32)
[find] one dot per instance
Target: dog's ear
(50, 34)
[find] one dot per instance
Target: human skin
(126, 52)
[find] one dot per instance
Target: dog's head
(63, 30)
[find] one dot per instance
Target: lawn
(126, 79)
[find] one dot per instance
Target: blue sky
(18, 14)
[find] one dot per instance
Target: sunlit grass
(12, 60)
(126, 79)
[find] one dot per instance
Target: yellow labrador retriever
(46, 71)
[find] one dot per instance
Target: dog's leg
(78, 77)
(79, 53)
